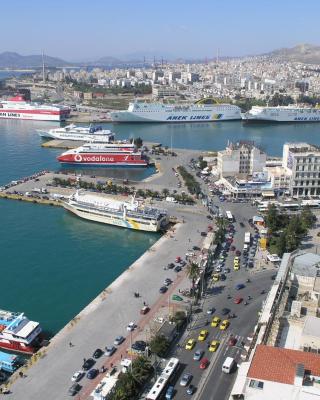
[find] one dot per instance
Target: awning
(268, 194)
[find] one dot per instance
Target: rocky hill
(306, 53)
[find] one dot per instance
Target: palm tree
(165, 192)
(193, 272)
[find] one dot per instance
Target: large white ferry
(201, 111)
(73, 132)
(131, 215)
(17, 108)
(18, 333)
(291, 113)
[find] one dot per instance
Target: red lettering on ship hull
(101, 159)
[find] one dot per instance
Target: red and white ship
(17, 108)
(18, 333)
(111, 154)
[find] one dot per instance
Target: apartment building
(302, 161)
(241, 158)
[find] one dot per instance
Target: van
(228, 365)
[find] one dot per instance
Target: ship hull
(174, 117)
(34, 116)
(18, 347)
(109, 220)
(108, 160)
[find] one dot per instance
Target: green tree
(159, 345)
(179, 318)
(165, 192)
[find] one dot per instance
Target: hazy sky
(89, 29)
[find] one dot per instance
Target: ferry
(202, 111)
(291, 113)
(133, 215)
(73, 132)
(104, 155)
(10, 362)
(17, 108)
(18, 333)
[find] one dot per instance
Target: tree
(165, 192)
(159, 345)
(193, 272)
(141, 369)
(179, 318)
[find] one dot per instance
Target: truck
(247, 238)
(228, 365)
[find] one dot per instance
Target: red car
(232, 248)
(238, 253)
(204, 363)
(238, 300)
(230, 240)
(232, 341)
(178, 259)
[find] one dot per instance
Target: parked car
(92, 373)
(77, 376)
(169, 393)
(225, 311)
(110, 350)
(232, 341)
(178, 268)
(131, 326)
(89, 363)
(144, 310)
(74, 389)
(163, 289)
(240, 286)
(97, 353)
(118, 340)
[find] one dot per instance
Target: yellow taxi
(224, 324)
(203, 335)
(215, 321)
(236, 267)
(214, 345)
(215, 277)
(190, 344)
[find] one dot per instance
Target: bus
(158, 389)
(229, 216)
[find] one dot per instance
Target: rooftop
(279, 365)
(311, 326)
(306, 264)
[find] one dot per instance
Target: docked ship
(201, 111)
(291, 113)
(73, 132)
(104, 155)
(17, 108)
(18, 333)
(132, 215)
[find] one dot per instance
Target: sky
(87, 30)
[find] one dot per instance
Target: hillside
(15, 60)
(306, 53)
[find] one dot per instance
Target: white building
(279, 177)
(240, 159)
(277, 373)
(302, 160)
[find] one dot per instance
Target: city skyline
(69, 31)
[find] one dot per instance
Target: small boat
(80, 133)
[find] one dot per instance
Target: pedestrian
(144, 303)
(84, 360)
(121, 356)
(21, 374)
(70, 344)
(111, 365)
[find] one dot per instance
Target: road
(212, 383)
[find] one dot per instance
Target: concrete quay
(109, 313)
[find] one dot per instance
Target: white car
(131, 326)
(77, 376)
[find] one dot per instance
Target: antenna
(43, 70)
(218, 53)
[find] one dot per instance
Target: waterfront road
(107, 316)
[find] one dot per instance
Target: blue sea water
(52, 263)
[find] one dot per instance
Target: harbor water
(52, 263)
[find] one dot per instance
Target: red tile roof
(279, 365)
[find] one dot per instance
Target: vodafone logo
(78, 158)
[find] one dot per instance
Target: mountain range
(305, 53)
